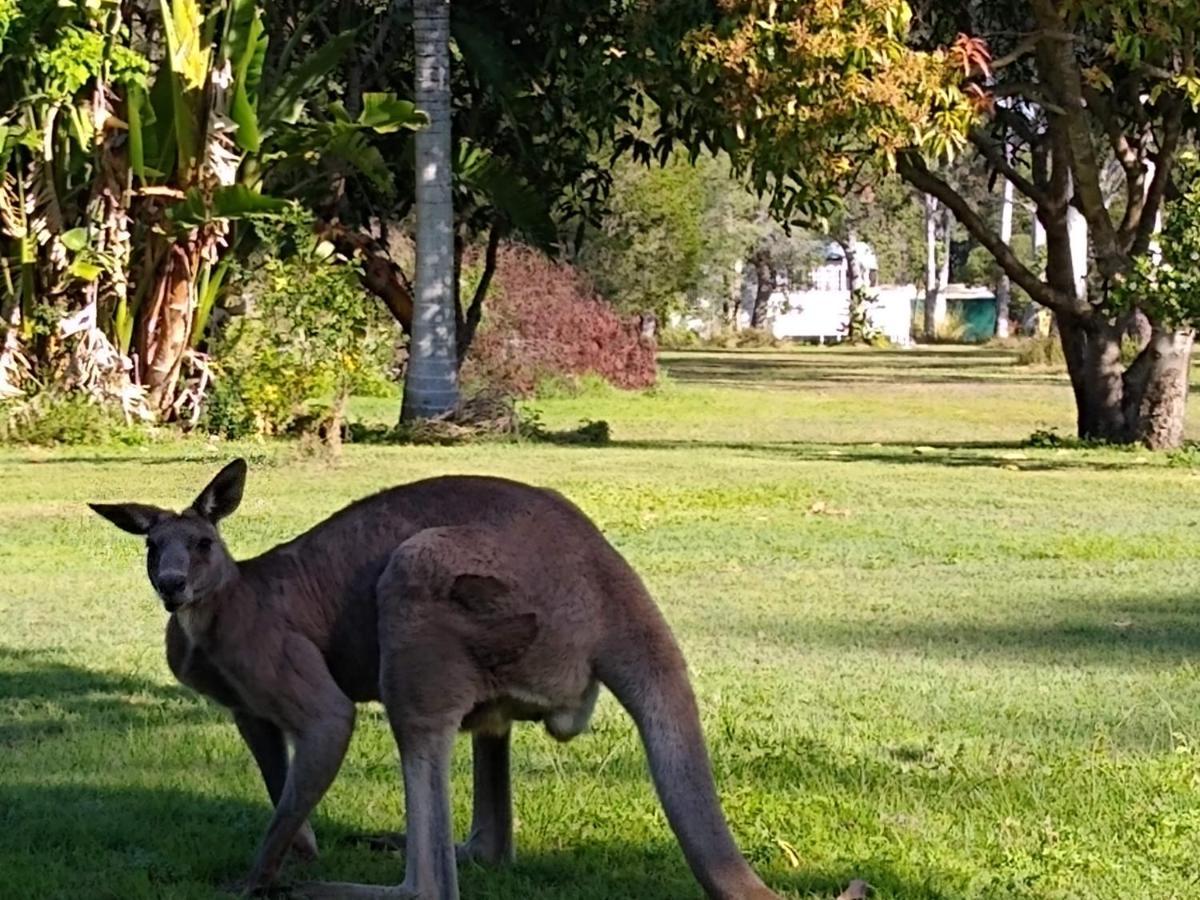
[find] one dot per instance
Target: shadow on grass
(86, 841)
(895, 368)
(990, 455)
(66, 832)
(1108, 633)
(55, 696)
(130, 459)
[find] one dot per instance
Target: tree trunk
(468, 319)
(166, 326)
(931, 275)
(856, 325)
(943, 283)
(1156, 390)
(765, 287)
(1093, 353)
(1138, 328)
(431, 381)
(1004, 284)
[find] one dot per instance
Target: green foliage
(553, 387)
(814, 90)
(1165, 283)
(647, 254)
(1043, 350)
(51, 419)
(679, 338)
(311, 331)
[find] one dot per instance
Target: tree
(818, 88)
(1003, 282)
(431, 382)
(648, 252)
(146, 132)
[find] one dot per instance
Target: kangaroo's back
(326, 577)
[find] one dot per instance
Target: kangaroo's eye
(204, 545)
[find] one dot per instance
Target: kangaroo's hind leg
(490, 840)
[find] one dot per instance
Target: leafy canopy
(820, 90)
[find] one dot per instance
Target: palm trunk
(166, 325)
(431, 381)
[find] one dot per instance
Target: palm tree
(431, 383)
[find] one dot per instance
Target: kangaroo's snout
(172, 587)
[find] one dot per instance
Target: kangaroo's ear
(223, 493)
(136, 518)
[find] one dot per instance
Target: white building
(821, 310)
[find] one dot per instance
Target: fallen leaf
(792, 854)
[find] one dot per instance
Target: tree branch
(995, 156)
(470, 321)
(381, 276)
(1060, 68)
(913, 170)
(1163, 159)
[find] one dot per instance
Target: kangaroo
(464, 603)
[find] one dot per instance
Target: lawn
(926, 655)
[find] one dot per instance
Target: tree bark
(468, 322)
(763, 290)
(931, 274)
(431, 381)
(166, 327)
(1156, 389)
(1004, 283)
(943, 284)
(856, 326)
(1093, 353)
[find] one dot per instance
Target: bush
(49, 419)
(543, 320)
(679, 338)
(560, 387)
(1042, 351)
(310, 332)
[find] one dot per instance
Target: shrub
(310, 332)
(543, 320)
(51, 418)
(1042, 351)
(679, 338)
(560, 387)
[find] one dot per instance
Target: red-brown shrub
(541, 318)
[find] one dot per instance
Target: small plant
(543, 320)
(953, 328)
(573, 387)
(311, 333)
(679, 338)
(49, 419)
(1044, 350)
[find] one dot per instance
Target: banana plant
(202, 141)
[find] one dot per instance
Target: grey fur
(463, 603)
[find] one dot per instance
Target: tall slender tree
(431, 382)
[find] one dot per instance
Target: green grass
(925, 656)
